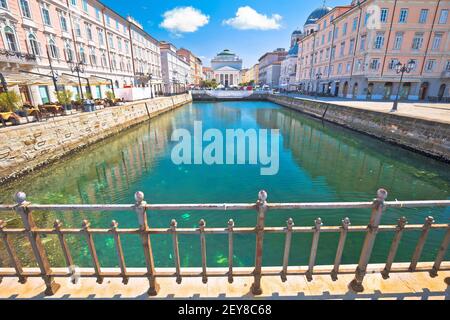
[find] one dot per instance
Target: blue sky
(248, 27)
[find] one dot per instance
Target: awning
(94, 81)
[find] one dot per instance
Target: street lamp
(401, 69)
(173, 85)
(186, 82)
(318, 77)
(150, 77)
(78, 67)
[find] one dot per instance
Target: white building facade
(176, 71)
(227, 68)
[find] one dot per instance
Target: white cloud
(248, 18)
(183, 19)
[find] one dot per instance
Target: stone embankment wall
(424, 136)
(26, 147)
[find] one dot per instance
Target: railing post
(90, 241)
(287, 248)
(394, 246)
(202, 225)
(230, 250)
(176, 253)
(146, 243)
(340, 249)
(369, 241)
(65, 248)
(12, 254)
(420, 244)
(36, 244)
(315, 242)
(119, 249)
(261, 207)
(441, 253)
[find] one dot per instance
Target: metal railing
(24, 209)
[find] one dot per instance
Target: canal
(318, 162)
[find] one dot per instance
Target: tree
(9, 101)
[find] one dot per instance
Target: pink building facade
(351, 51)
(38, 36)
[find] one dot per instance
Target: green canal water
(318, 162)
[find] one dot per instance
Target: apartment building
(352, 51)
(86, 46)
(270, 67)
(196, 66)
(176, 70)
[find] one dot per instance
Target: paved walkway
(400, 286)
(439, 112)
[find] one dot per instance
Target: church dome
(297, 32)
(317, 14)
(226, 52)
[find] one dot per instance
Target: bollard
(261, 207)
(146, 243)
(36, 244)
(369, 241)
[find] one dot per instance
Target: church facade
(227, 68)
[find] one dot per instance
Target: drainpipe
(356, 41)
(429, 38)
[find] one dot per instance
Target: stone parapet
(26, 147)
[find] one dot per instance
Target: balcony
(15, 57)
(445, 74)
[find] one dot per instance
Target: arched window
(53, 49)
(11, 39)
(69, 53)
(34, 45)
(82, 55)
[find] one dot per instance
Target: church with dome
(226, 67)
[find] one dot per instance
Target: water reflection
(318, 162)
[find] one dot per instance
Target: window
(336, 33)
(423, 16)
(119, 44)
(323, 39)
(92, 56)
(374, 64)
(384, 15)
(104, 61)
(111, 41)
(379, 40)
(108, 20)
(89, 32)
(327, 53)
(11, 39)
(447, 66)
(101, 40)
(403, 17)
(63, 22)
(25, 7)
(392, 64)
(34, 45)
(54, 52)
(97, 14)
(82, 55)
(362, 45)
(417, 41)
(73, 2)
(347, 67)
(443, 16)
(341, 53)
(46, 14)
(325, 24)
(69, 52)
(344, 29)
(329, 36)
(85, 6)
(352, 45)
(366, 18)
(430, 65)
(339, 70)
(437, 41)
(77, 28)
(4, 4)
(117, 25)
(398, 40)
(355, 24)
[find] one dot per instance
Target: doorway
(336, 89)
(441, 91)
(369, 91)
(25, 94)
(423, 93)
(355, 90)
(345, 90)
(387, 90)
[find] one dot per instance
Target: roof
(317, 14)
(226, 52)
(294, 50)
(227, 68)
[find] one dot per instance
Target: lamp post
(318, 77)
(185, 81)
(150, 77)
(78, 67)
(401, 69)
